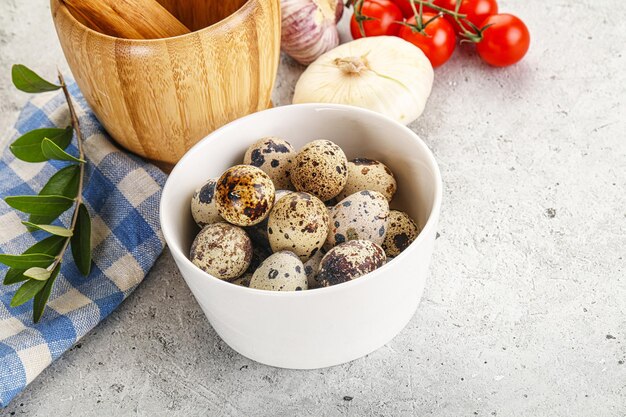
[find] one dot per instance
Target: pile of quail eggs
(290, 221)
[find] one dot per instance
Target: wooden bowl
(158, 97)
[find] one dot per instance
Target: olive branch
(39, 266)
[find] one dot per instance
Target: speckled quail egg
(258, 232)
(349, 261)
(203, 208)
(274, 156)
(283, 271)
(362, 215)
(368, 174)
(298, 223)
(311, 268)
(244, 195)
(222, 250)
(320, 168)
(401, 232)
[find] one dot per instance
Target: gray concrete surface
(525, 310)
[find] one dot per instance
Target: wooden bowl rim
(245, 10)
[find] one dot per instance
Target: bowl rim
(431, 221)
(246, 7)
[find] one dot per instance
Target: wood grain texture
(130, 19)
(158, 97)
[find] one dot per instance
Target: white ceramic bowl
(327, 326)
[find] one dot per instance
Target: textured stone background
(525, 309)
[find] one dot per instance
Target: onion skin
(309, 28)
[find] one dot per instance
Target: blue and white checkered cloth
(122, 194)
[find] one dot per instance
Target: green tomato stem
(459, 18)
(418, 11)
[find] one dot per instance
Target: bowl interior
(359, 132)
(195, 14)
(198, 14)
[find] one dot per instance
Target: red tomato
(439, 42)
(385, 14)
(504, 43)
(476, 11)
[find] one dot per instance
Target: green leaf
(51, 245)
(14, 276)
(55, 230)
(81, 241)
(28, 81)
(27, 291)
(40, 205)
(28, 146)
(26, 261)
(40, 274)
(42, 296)
(52, 151)
(63, 183)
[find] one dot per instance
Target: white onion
(382, 73)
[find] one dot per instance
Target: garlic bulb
(383, 73)
(309, 27)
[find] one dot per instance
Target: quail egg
(311, 267)
(320, 168)
(244, 195)
(283, 271)
(222, 250)
(349, 261)
(401, 232)
(298, 223)
(362, 215)
(274, 156)
(203, 208)
(368, 174)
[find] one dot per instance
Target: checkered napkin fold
(122, 194)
